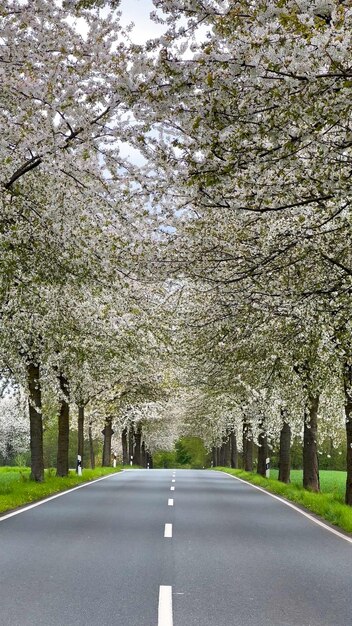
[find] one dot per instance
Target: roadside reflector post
(79, 465)
(131, 461)
(267, 468)
(114, 461)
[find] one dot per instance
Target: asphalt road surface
(137, 549)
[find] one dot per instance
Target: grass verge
(16, 488)
(326, 505)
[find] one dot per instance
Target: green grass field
(16, 489)
(330, 481)
(329, 504)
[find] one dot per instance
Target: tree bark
(310, 446)
(244, 443)
(137, 444)
(130, 442)
(108, 433)
(285, 453)
(222, 455)
(143, 455)
(149, 460)
(227, 450)
(213, 456)
(91, 447)
(36, 422)
(218, 456)
(247, 446)
(80, 426)
(262, 451)
(64, 429)
(124, 446)
(348, 415)
(234, 453)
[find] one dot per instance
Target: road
(121, 551)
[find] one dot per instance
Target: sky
(138, 11)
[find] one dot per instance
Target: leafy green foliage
(183, 456)
(189, 453)
(165, 459)
(191, 450)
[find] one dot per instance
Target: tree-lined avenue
(236, 556)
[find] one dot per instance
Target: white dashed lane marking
(165, 606)
(168, 531)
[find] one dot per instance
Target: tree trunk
(108, 433)
(143, 455)
(227, 450)
(36, 422)
(285, 453)
(310, 447)
(247, 447)
(222, 455)
(80, 445)
(64, 429)
(213, 455)
(130, 443)
(262, 452)
(244, 447)
(149, 460)
(91, 447)
(234, 453)
(124, 446)
(249, 456)
(218, 456)
(348, 415)
(244, 443)
(137, 444)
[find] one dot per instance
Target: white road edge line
(295, 508)
(57, 495)
(168, 531)
(170, 502)
(165, 606)
(172, 488)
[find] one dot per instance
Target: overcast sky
(138, 11)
